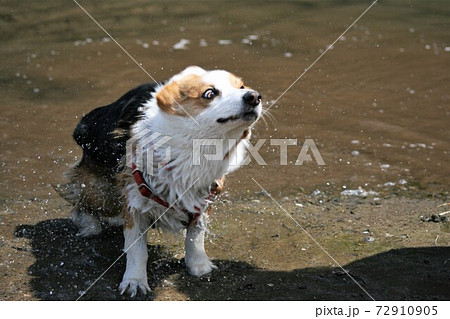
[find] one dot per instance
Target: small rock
(181, 45)
(433, 219)
(369, 239)
(317, 192)
(224, 42)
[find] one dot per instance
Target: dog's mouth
(246, 116)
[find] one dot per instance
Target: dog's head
(216, 98)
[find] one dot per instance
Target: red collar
(144, 188)
(146, 191)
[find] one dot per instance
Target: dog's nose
(252, 98)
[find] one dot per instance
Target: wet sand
(376, 105)
(391, 247)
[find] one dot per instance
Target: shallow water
(376, 104)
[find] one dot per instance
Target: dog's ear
(168, 97)
(194, 70)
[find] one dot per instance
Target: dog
(148, 161)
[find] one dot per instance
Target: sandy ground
(392, 247)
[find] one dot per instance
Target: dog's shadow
(67, 265)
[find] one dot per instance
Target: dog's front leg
(197, 261)
(135, 233)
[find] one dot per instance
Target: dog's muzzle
(251, 101)
(252, 98)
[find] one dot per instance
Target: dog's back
(103, 132)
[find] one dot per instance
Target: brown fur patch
(245, 134)
(128, 219)
(184, 96)
(237, 82)
(92, 192)
(168, 96)
(120, 132)
(209, 210)
(220, 185)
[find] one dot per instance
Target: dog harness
(146, 191)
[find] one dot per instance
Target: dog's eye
(210, 94)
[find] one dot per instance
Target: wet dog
(157, 157)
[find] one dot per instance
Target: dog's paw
(200, 267)
(132, 286)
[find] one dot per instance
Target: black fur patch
(97, 131)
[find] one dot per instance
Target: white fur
(197, 261)
(184, 185)
(183, 130)
(135, 277)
